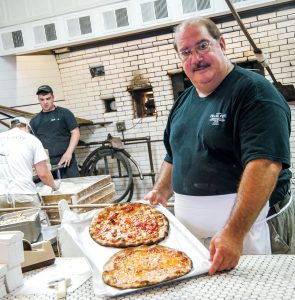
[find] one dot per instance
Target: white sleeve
(39, 151)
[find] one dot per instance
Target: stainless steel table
(256, 277)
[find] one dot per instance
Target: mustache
(200, 65)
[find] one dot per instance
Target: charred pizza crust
(128, 225)
(144, 266)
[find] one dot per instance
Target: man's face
(46, 102)
(207, 66)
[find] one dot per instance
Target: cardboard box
(93, 189)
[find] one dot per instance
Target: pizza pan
(179, 238)
(27, 221)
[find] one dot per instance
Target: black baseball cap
(44, 89)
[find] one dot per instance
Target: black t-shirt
(210, 140)
(54, 129)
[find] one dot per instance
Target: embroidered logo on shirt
(217, 118)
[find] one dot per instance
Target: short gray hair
(197, 22)
(20, 122)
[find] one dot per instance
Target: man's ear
(222, 43)
(28, 129)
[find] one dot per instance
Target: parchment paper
(179, 238)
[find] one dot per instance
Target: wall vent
(45, 33)
(115, 18)
(154, 10)
(11, 40)
(79, 26)
(189, 6)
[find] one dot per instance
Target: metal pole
(151, 159)
(48, 207)
(257, 51)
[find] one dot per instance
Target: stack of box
(3, 271)
(12, 255)
(88, 190)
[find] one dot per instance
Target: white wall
(8, 80)
(20, 11)
(27, 15)
(20, 76)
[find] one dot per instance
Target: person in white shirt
(20, 151)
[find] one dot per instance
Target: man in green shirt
(228, 153)
(58, 131)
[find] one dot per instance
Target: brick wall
(152, 59)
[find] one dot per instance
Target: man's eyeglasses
(201, 48)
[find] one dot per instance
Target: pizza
(128, 225)
(144, 266)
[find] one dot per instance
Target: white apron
(204, 216)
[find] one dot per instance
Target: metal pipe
(48, 207)
(151, 159)
(258, 52)
(125, 141)
(238, 19)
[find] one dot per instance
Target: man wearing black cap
(58, 131)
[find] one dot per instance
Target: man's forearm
(257, 183)
(163, 182)
(75, 136)
(44, 174)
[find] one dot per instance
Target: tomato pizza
(144, 266)
(128, 225)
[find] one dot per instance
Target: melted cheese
(135, 226)
(146, 265)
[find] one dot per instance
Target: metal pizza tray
(179, 238)
(27, 221)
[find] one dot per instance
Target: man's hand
(156, 197)
(56, 185)
(225, 251)
(65, 159)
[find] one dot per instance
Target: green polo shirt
(54, 128)
(210, 140)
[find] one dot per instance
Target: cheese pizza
(144, 266)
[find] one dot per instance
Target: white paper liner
(179, 238)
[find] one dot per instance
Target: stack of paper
(3, 271)
(12, 255)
